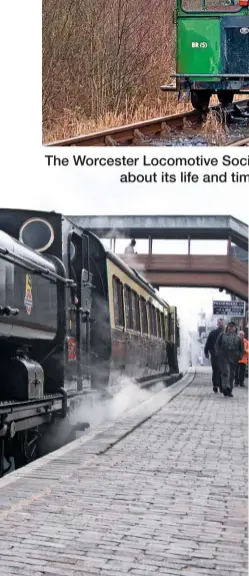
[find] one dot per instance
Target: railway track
(241, 142)
(142, 133)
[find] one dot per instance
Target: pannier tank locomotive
(73, 318)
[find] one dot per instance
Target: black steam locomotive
(73, 317)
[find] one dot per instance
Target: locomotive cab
(55, 286)
(212, 47)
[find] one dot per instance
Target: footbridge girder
(167, 227)
(224, 272)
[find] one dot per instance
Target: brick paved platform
(168, 498)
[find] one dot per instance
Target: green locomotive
(212, 50)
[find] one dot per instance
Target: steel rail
(127, 133)
(241, 142)
(137, 132)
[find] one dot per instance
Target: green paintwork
(198, 46)
(203, 29)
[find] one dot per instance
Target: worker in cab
(241, 366)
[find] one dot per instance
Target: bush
(103, 57)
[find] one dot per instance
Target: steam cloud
(98, 410)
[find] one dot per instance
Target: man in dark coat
(229, 349)
(209, 349)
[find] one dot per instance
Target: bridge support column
(150, 245)
(112, 244)
(189, 245)
(229, 248)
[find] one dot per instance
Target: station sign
(234, 308)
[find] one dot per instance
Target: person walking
(229, 349)
(130, 249)
(209, 349)
(241, 366)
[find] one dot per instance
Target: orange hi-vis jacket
(245, 355)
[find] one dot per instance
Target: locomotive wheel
(225, 97)
(26, 449)
(200, 99)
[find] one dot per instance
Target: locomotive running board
(198, 75)
(169, 88)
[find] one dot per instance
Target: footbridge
(223, 272)
(229, 272)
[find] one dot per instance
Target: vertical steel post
(189, 245)
(150, 245)
(229, 251)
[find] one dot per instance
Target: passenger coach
(144, 328)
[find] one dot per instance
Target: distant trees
(104, 56)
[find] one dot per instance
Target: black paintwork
(17, 263)
(99, 350)
(235, 59)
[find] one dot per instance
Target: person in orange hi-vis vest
(241, 366)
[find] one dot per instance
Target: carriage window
(128, 308)
(118, 302)
(154, 321)
(159, 329)
(144, 318)
(211, 5)
(169, 326)
(153, 326)
(135, 312)
(138, 314)
(163, 325)
(132, 315)
(150, 318)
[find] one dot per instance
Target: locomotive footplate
(24, 424)
(18, 416)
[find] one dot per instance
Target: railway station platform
(161, 491)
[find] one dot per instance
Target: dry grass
(72, 124)
(214, 131)
(103, 63)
